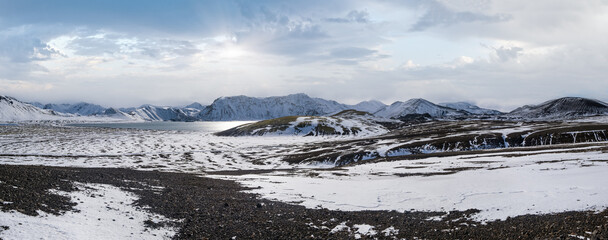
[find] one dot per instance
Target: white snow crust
(104, 212)
(500, 186)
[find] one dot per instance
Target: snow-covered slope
(567, 107)
(193, 110)
(142, 113)
(345, 123)
(82, 109)
(471, 108)
(250, 108)
(154, 113)
(371, 106)
(417, 106)
(37, 104)
(192, 113)
(120, 115)
(12, 109)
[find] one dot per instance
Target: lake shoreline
(201, 126)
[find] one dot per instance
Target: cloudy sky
(498, 54)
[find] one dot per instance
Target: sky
(496, 54)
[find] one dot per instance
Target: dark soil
(219, 209)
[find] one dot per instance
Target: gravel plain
(219, 209)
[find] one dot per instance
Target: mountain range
(81, 109)
(252, 108)
(471, 108)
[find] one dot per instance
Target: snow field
(103, 212)
(499, 186)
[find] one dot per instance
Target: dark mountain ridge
(566, 107)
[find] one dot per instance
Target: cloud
(23, 48)
(438, 14)
(21, 51)
(497, 53)
(409, 64)
(182, 17)
(101, 43)
(507, 53)
(304, 39)
(95, 45)
(352, 16)
(351, 52)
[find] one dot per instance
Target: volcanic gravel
(219, 209)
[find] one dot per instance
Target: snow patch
(365, 229)
(390, 231)
(500, 186)
(340, 227)
(104, 212)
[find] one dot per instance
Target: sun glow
(232, 52)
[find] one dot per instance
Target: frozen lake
(207, 126)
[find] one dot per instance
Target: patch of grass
(275, 122)
(303, 124)
(270, 125)
(351, 112)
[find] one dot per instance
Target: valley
(412, 170)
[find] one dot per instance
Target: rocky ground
(219, 209)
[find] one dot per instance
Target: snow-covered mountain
(82, 109)
(567, 107)
(193, 110)
(471, 108)
(195, 105)
(12, 109)
(251, 108)
(120, 115)
(37, 104)
(371, 106)
(417, 106)
(142, 113)
(154, 113)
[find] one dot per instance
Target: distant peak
(565, 107)
(110, 111)
(572, 98)
(566, 100)
(459, 103)
(418, 101)
(298, 95)
(243, 97)
(372, 101)
(6, 98)
(195, 105)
